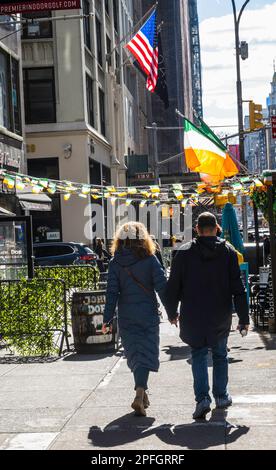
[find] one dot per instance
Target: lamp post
(237, 19)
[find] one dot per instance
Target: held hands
(174, 321)
(106, 329)
(243, 329)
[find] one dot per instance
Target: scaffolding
(196, 60)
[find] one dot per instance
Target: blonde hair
(134, 235)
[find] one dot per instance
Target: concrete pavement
(82, 402)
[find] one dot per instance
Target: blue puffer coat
(137, 309)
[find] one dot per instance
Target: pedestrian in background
(102, 254)
(158, 252)
(205, 277)
(134, 276)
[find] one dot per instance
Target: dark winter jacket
(137, 308)
(205, 277)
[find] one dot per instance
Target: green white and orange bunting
(180, 193)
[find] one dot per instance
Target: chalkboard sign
(87, 321)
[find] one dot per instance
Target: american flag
(144, 46)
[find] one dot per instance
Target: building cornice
(60, 129)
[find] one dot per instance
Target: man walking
(206, 279)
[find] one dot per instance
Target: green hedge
(84, 277)
(30, 311)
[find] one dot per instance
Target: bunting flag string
(152, 194)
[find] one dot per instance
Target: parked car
(59, 253)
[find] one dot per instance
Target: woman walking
(134, 276)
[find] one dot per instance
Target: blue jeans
(220, 371)
(141, 377)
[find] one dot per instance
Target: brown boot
(138, 404)
(146, 400)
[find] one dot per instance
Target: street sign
(273, 126)
(144, 176)
(26, 6)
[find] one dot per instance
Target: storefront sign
(144, 176)
(53, 236)
(26, 6)
(273, 126)
(10, 157)
(87, 319)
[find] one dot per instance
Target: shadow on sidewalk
(269, 340)
(121, 431)
(75, 357)
(177, 353)
(197, 435)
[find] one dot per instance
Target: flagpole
(132, 30)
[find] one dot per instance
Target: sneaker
(224, 402)
(202, 408)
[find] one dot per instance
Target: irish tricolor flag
(205, 153)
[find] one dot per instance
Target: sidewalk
(82, 402)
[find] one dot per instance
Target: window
(44, 222)
(10, 111)
(15, 96)
(35, 29)
(89, 98)
(86, 24)
(39, 91)
(99, 42)
(53, 250)
(102, 111)
(115, 16)
(106, 175)
(5, 115)
(108, 50)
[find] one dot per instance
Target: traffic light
(255, 116)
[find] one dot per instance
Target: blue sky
(208, 8)
(258, 28)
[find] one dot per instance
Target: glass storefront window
(13, 250)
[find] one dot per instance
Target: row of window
(40, 101)
(87, 30)
(39, 96)
(43, 29)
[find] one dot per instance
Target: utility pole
(155, 153)
(237, 18)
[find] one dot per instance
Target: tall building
(83, 106)
(11, 116)
(176, 43)
(195, 58)
(271, 111)
(255, 149)
(256, 152)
